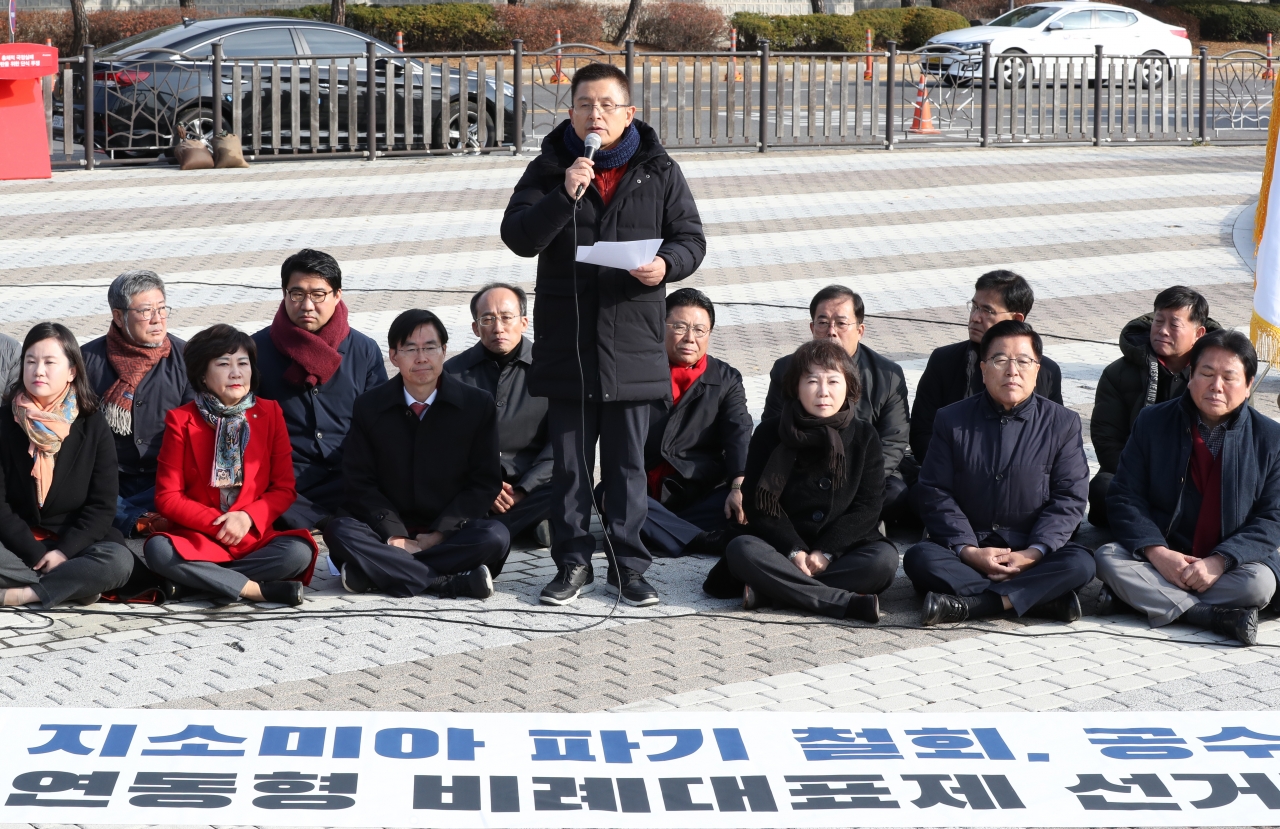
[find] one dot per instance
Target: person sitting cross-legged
(1002, 489)
(814, 487)
(1195, 503)
(422, 470)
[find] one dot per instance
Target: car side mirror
(1055, 26)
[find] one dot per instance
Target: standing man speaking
(598, 332)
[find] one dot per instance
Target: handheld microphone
(592, 143)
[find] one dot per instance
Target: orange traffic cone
(559, 76)
(922, 123)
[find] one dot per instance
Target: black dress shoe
(940, 608)
(473, 584)
(751, 600)
(287, 593)
(542, 533)
(171, 591)
(634, 589)
(354, 579)
(712, 543)
(1065, 608)
(571, 581)
(1109, 603)
(1240, 623)
(864, 608)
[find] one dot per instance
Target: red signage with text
(24, 143)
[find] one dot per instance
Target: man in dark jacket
(499, 364)
(1001, 492)
(1155, 367)
(315, 366)
(696, 453)
(421, 471)
(138, 372)
(597, 349)
(1195, 503)
(952, 373)
(836, 313)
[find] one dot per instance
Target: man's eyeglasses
(488, 320)
(606, 108)
(840, 324)
(147, 314)
(1001, 362)
(317, 296)
(411, 351)
(986, 310)
(682, 328)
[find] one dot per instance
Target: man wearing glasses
(952, 373)
(138, 372)
(499, 364)
(836, 313)
(1003, 488)
(597, 349)
(315, 366)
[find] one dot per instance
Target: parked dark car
(148, 84)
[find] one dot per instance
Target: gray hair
(129, 284)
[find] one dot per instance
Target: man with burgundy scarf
(138, 371)
(315, 366)
(1195, 503)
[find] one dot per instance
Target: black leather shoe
(864, 608)
(171, 591)
(287, 593)
(1109, 603)
(571, 581)
(1065, 608)
(354, 579)
(542, 533)
(1237, 622)
(750, 598)
(712, 543)
(939, 608)
(473, 584)
(635, 590)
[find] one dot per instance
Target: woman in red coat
(225, 475)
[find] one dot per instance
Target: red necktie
(419, 408)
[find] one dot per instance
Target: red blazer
(184, 496)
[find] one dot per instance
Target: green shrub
(1230, 21)
(911, 28)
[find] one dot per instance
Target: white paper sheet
(625, 255)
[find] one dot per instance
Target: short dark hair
(86, 398)
(310, 261)
(1228, 340)
(403, 326)
(600, 72)
(1179, 297)
(691, 298)
(493, 286)
(212, 343)
(1011, 328)
(823, 354)
(837, 292)
(1014, 290)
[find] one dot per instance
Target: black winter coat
(621, 332)
(883, 403)
(165, 387)
(522, 418)
(1021, 475)
(1127, 386)
(82, 499)
(953, 374)
(1146, 494)
(434, 474)
(818, 513)
(704, 437)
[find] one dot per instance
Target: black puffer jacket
(620, 337)
(1129, 385)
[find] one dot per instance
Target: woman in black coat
(812, 493)
(58, 481)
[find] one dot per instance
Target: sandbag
(227, 152)
(192, 153)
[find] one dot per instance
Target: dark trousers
(867, 568)
(1098, 499)
(620, 429)
(99, 568)
(667, 533)
(284, 558)
(313, 505)
(533, 509)
(933, 568)
(897, 505)
(137, 496)
(401, 574)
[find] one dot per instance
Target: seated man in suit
(422, 469)
(1001, 491)
(696, 452)
(1195, 503)
(836, 313)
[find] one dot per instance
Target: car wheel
(1013, 67)
(1154, 66)
(453, 138)
(198, 123)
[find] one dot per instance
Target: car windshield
(1026, 17)
(161, 36)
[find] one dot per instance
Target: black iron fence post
(764, 96)
(371, 101)
(985, 121)
(631, 60)
(89, 118)
(1204, 94)
(1097, 95)
(217, 89)
(517, 67)
(890, 77)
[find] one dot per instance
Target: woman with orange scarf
(57, 481)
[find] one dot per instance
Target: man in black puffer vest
(598, 332)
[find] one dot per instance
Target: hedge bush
(437, 27)
(678, 26)
(536, 23)
(911, 28)
(1230, 20)
(105, 27)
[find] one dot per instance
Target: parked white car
(1066, 32)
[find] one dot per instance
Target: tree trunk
(187, 5)
(79, 27)
(629, 24)
(338, 12)
(817, 6)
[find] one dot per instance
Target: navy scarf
(617, 156)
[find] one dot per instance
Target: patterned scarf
(131, 363)
(46, 429)
(800, 430)
(231, 438)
